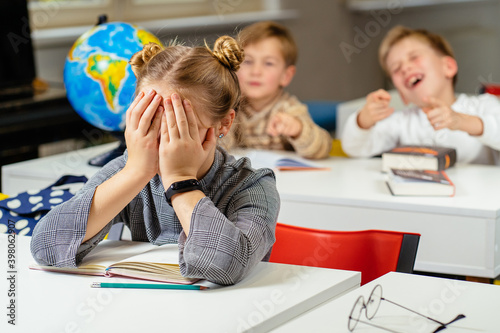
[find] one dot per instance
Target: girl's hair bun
(141, 58)
(228, 52)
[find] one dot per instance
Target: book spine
(447, 160)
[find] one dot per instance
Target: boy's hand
(142, 129)
(441, 115)
(375, 109)
(284, 124)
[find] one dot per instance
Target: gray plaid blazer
(232, 228)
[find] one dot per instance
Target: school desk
(438, 298)
(54, 302)
(460, 234)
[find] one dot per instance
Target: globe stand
(104, 158)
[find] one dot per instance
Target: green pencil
(147, 286)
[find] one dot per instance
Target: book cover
(419, 158)
(420, 183)
(138, 260)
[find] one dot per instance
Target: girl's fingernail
(151, 92)
(157, 97)
(160, 108)
(175, 96)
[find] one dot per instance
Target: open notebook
(139, 260)
(279, 161)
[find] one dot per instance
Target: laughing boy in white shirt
(423, 70)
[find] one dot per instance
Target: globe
(99, 81)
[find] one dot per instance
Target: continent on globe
(109, 73)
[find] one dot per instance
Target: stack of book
(419, 170)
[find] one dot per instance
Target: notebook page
(111, 251)
(167, 253)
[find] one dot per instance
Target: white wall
(325, 72)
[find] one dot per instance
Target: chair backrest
(323, 113)
(372, 252)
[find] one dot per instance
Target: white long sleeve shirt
(411, 127)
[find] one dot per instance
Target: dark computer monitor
(17, 65)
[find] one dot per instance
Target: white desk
(438, 298)
(270, 296)
(460, 234)
(41, 172)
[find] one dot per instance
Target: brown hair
(267, 29)
(194, 71)
(398, 33)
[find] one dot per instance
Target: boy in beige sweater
(270, 118)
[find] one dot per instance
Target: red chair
(371, 252)
(490, 88)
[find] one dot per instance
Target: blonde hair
(194, 71)
(267, 29)
(399, 32)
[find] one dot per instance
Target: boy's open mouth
(414, 80)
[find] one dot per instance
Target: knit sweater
(249, 130)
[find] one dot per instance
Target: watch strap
(181, 187)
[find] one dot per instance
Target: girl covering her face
(174, 184)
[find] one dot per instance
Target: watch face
(184, 184)
(180, 187)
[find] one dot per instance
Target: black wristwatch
(181, 187)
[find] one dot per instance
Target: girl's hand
(182, 151)
(284, 124)
(143, 123)
(376, 108)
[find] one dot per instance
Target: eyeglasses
(372, 306)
